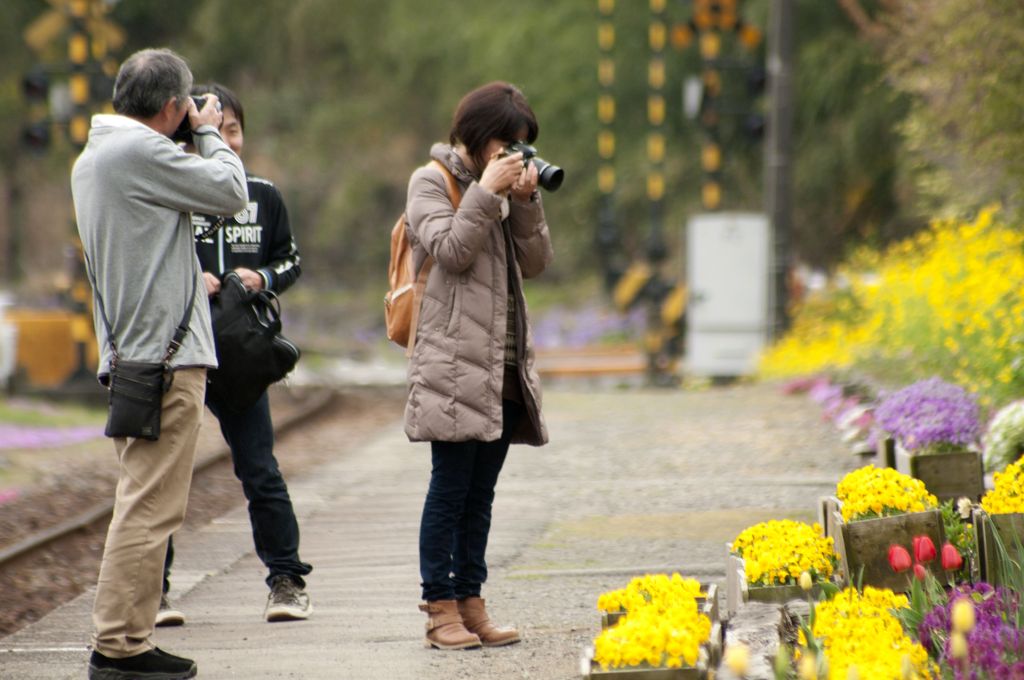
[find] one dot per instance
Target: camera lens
(549, 176)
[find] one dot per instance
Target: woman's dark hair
(228, 99)
(497, 110)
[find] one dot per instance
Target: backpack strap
(455, 196)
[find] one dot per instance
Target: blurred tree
(344, 98)
(847, 189)
(962, 63)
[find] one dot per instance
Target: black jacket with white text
(258, 238)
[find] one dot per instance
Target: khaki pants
(152, 492)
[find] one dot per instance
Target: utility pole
(778, 157)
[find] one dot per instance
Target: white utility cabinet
(727, 272)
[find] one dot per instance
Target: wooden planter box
(645, 673)
(863, 547)
(1011, 532)
(947, 475)
(828, 506)
(739, 591)
(885, 452)
(708, 606)
(590, 669)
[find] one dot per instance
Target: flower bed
(930, 416)
(859, 630)
(662, 629)
(871, 492)
(768, 559)
(1001, 520)
(881, 507)
(777, 552)
(935, 427)
(988, 619)
(1004, 438)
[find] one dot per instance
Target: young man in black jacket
(257, 244)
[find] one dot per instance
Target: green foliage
(960, 533)
(925, 594)
(963, 64)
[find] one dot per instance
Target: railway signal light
(36, 136)
(36, 85)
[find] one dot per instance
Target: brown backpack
(402, 301)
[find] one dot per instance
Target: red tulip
(920, 572)
(899, 558)
(951, 558)
(924, 549)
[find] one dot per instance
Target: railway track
(49, 566)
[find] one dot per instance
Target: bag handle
(271, 304)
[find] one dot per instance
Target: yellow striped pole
(608, 239)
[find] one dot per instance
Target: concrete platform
(633, 482)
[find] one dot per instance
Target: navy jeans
(275, 531)
(457, 513)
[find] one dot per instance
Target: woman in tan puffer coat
(473, 388)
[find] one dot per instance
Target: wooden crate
(1011, 532)
(885, 452)
(947, 475)
(739, 591)
(590, 669)
(827, 507)
(643, 673)
(863, 547)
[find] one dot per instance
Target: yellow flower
(1007, 496)
(806, 583)
(962, 615)
(777, 552)
(737, 658)
(948, 296)
(858, 630)
(881, 492)
(662, 625)
(808, 668)
(957, 645)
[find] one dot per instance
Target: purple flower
(930, 414)
(995, 645)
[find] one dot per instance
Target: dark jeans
(457, 513)
(275, 531)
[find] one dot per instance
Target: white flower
(963, 506)
(1004, 439)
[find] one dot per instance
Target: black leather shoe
(155, 664)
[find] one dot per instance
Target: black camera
(548, 176)
(184, 131)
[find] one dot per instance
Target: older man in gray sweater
(134, 190)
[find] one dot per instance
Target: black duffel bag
(251, 352)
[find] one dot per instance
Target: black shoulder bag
(137, 388)
(252, 354)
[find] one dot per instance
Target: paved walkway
(633, 481)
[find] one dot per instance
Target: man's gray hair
(147, 79)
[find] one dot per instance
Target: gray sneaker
(287, 601)
(168, 615)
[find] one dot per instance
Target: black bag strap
(179, 333)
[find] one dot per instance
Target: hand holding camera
(502, 172)
(205, 110)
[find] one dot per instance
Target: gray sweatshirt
(134, 190)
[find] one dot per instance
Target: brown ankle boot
(444, 626)
(475, 618)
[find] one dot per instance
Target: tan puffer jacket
(457, 365)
